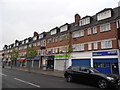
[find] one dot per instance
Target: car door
(83, 74)
(75, 72)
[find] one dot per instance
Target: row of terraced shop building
(95, 41)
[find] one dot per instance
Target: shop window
(100, 65)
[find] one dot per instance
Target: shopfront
(106, 62)
(36, 62)
(83, 62)
(48, 62)
(61, 62)
(21, 62)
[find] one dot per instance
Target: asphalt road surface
(20, 79)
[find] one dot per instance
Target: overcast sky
(20, 18)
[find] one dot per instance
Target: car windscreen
(94, 70)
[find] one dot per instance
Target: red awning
(22, 60)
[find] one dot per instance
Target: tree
(31, 52)
(14, 55)
(69, 48)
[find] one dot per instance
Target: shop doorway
(50, 64)
(114, 68)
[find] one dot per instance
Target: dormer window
(104, 15)
(40, 36)
(64, 28)
(84, 21)
(17, 44)
(54, 31)
(22, 42)
(26, 41)
(35, 38)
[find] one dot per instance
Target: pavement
(39, 70)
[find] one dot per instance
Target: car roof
(81, 66)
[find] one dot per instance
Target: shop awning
(22, 60)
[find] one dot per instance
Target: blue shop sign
(106, 53)
(36, 58)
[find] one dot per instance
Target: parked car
(92, 76)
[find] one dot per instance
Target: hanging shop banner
(106, 53)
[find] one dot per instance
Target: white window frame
(105, 27)
(89, 46)
(95, 45)
(104, 15)
(78, 47)
(89, 31)
(64, 28)
(75, 34)
(79, 33)
(106, 44)
(53, 32)
(94, 29)
(35, 38)
(40, 36)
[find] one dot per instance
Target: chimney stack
(77, 19)
(35, 34)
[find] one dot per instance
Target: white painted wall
(81, 55)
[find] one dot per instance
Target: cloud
(20, 18)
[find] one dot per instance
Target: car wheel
(69, 78)
(102, 83)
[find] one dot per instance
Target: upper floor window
(94, 29)
(17, 44)
(106, 44)
(30, 45)
(118, 23)
(95, 45)
(22, 42)
(26, 41)
(89, 31)
(38, 43)
(78, 47)
(64, 28)
(79, 33)
(35, 38)
(43, 43)
(56, 39)
(105, 27)
(63, 49)
(49, 40)
(84, 21)
(63, 37)
(89, 46)
(53, 32)
(40, 36)
(25, 46)
(104, 15)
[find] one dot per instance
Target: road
(20, 79)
